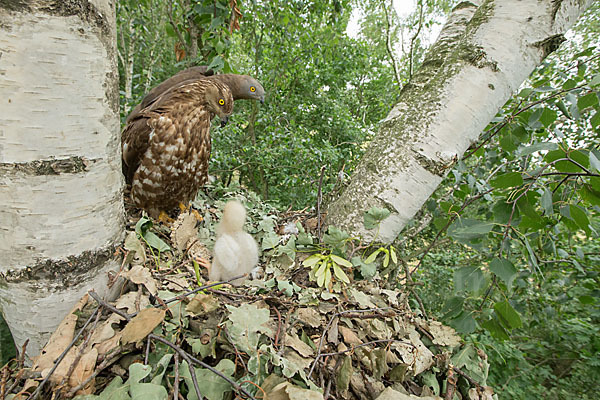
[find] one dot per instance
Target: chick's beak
(224, 121)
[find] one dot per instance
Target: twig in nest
(314, 363)
(351, 349)
(451, 384)
(411, 287)
(104, 304)
(184, 295)
(176, 382)
(191, 360)
(278, 326)
(38, 390)
(467, 377)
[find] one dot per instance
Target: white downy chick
(235, 251)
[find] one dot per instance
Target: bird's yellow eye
(252, 89)
(221, 101)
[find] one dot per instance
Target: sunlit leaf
(340, 274)
(374, 216)
(340, 261)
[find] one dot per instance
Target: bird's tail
(234, 216)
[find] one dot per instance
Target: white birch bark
(60, 182)
(485, 51)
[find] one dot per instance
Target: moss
(71, 165)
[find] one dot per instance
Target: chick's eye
(252, 89)
(221, 101)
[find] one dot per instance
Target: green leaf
(580, 217)
(374, 216)
(510, 179)
(453, 307)
(270, 240)
(548, 146)
(340, 274)
(548, 117)
(532, 257)
(586, 299)
(393, 254)
(216, 64)
(595, 80)
(368, 271)
(373, 256)
(465, 323)
(145, 391)
(247, 322)
(321, 268)
(547, 203)
(595, 120)
(156, 242)
(495, 329)
(468, 229)
(505, 270)
(594, 162)
(589, 100)
(386, 259)
(335, 237)
(312, 260)
(341, 261)
(508, 315)
(469, 279)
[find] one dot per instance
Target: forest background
(506, 251)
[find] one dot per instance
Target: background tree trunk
(483, 54)
(60, 181)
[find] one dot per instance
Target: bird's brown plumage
(166, 146)
(241, 86)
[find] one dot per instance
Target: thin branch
(388, 40)
(104, 304)
(412, 41)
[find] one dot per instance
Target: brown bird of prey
(166, 146)
(243, 87)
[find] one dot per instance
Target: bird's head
(251, 89)
(242, 86)
(219, 101)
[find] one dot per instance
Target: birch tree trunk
(60, 182)
(484, 52)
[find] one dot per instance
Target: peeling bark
(60, 162)
(484, 52)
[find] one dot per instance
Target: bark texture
(484, 52)
(60, 162)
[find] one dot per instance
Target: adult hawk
(166, 145)
(241, 86)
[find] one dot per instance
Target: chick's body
(235, 252)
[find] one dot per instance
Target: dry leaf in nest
(417, 355)
(350, 338)
(175, 283)
(288, 391)
(183, 230)
(60, 339)
(202, 304)
(128, 301)
(443, 335)
(142, 325)
(298, 345)
(310, 317)
(142, 276)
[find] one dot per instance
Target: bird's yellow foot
(164, 218)
(185, 209)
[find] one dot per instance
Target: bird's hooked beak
(224, 121)
(262, 100)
